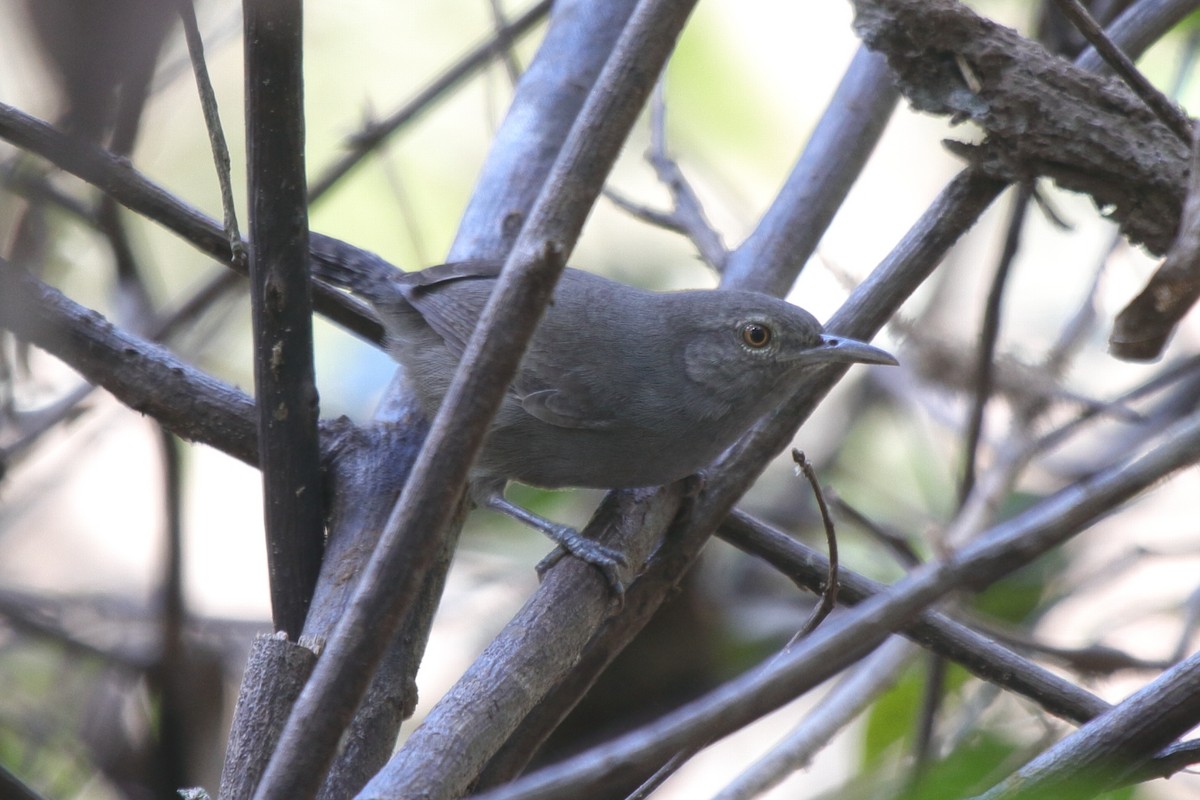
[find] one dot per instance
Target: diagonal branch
(1103, 753)
(410, 543)
(367, 141)
(143, 376)
(836, 152)
(1121, 64)
(115, 177)
(987, 659)
(844, 641)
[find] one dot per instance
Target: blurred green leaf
(1016, 598)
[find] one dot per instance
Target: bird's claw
(610, 562)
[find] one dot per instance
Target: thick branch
(846, 639)
(537, 648)
(580, 39)
(1144, 327)
(144, 376)
(1042, 115)
(391, 581)
(281, 308)
(1101, 754)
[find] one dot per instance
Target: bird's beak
(839, 348)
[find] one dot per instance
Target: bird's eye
(756, 335)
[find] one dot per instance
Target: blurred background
(82, 503)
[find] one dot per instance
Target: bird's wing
(566, 409)
(561, 383)
(432, 277)
(551, 385)
(451, 298)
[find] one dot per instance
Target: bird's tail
(345, 266)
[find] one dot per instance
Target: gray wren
(619, 387)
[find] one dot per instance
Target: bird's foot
(610, 562)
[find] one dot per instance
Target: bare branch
(853, 635)
(829, 591)
(990, 331)
(1042, 115)
(1143, 327)
(1105, 752)
(836, 152)
(212, 121)
(131, 189)
(933, 630)
(366, 141)
(143, 376)
(281, 308)
(1140, 25)
(852, 695)
(409, 545)
(688, 214)
(1121, 64)
(549, 97)
(525, 661)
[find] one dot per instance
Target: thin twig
(932, 693)
(830, 590)
(501, 23)
(367, 140)
(1091, 660)
(1074, 333)
(1051, 212)
(663, 219)
(1162, 107)
(212, 121)
(688, 211)
(828, 594)
(1141, 24)
(687, 215)
(133, 190)
(1174, 373)
(169, 674)
(896, 543)
(988, 335)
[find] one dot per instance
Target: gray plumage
(620, 387)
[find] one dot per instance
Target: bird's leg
(490, 494)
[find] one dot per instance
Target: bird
(619, 387)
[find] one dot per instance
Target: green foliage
(965, 771)
(1017, 598)
(891, 721)
(40, 743)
